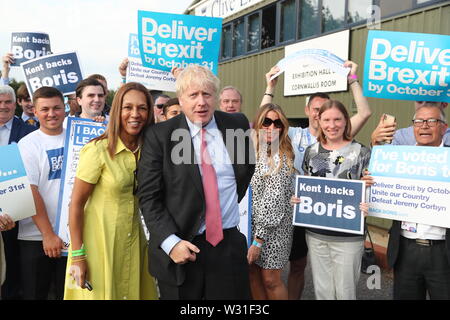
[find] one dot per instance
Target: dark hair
(348, 125)
(22, 93)
(97, 77)
(322, 95)
(162, 95)
(86, 83)
(114, 125)
(170, 103)
(47, 92)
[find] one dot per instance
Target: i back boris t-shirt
(42, 155)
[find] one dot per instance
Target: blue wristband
(257, 244)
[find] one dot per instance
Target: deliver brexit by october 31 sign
(79, 132)
(29, 45)
(152, 79)
(61, 71)
(174, 40)
(330, 204)
(15, 192)
(411, 184)
(407, 66)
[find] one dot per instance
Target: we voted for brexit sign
(61, 71)
(411, 184)
(79, 132)
(329, 204)
(16, 198)
(407, 66)
(29, 45)
(174, 40)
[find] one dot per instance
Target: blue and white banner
(61, 71)
(245, 216)
(29, 45)
(407, 66)
(78, 133)
(411, 184)
(330, 204)
(152, 79)
(16, 198)
(175, 40)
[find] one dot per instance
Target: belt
(426, 242)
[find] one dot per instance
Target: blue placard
(411, 162)
(407, 66)
(175, 40)
(11, 164)
(29, 45)
(330, 204)
(61, 71)
(133, 46)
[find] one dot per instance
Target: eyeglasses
(430, 122)
(268, 122)
(159, 106)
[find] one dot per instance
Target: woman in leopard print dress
(272, 187)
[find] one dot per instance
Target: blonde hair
(197, 75)
(285, 144)
(114, 125)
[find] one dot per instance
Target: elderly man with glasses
(386, 132)
(420, 253)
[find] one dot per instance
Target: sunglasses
(159, 106)
(268, 122)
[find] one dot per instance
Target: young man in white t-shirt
(42, 153)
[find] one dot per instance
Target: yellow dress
(113, 236)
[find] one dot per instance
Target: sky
(97, 29)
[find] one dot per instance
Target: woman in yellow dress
(108, 256)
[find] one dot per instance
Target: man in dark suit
(420, 253)
(194, 170)
(12, 129)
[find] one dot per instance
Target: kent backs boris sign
(407, 66)
(61, 71)
(29, 45)
(174, 40)
(329, 204)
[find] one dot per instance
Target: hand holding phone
(388, 120)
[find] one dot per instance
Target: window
(254, 32)
(309, 18)
(269, 19)
(333, 15)
(226, 42)
(358, 10)
(238, 38)
(287, 20)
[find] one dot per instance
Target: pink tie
(214, 232)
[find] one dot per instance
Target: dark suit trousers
(11, 289)
(219, 272)
(40, 273)
(421, 269)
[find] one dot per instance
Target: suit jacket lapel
(192, 167)
(14, 136)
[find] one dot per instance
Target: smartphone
(88, 285)
(388, 120)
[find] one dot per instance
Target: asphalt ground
(377, 286)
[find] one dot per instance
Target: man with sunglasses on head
(301, 139)
(158, 107)
(387, 132)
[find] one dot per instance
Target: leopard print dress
(272, 212)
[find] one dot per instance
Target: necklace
(137, 149)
